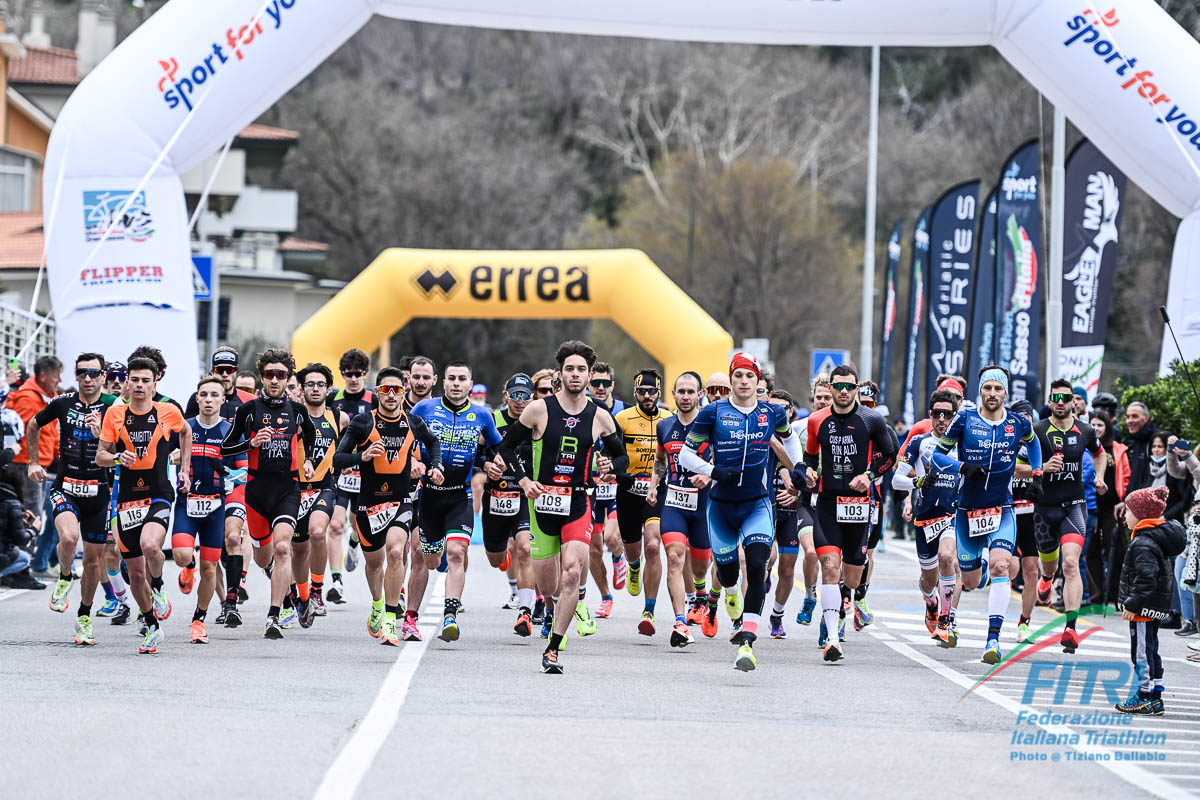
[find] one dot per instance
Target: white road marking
(348, 769)
(8, 594)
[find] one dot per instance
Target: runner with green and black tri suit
(563, 428)
(353, 400)
(80, 494)
(505, 512)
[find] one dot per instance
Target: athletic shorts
(548, 532)
(313, 501)
(445, 514)
(1026, 539)
(733, 523)
(346, 500)
(970, 548)
(235, 502)
(92, 513)
(603, 509)
(499, 528)
(686, 526)
(877, 526)
(830, 536)
(633, 513)
(1058, 525)
(929, 537)
(787, 530)
(270, 500)
(210, 529)
(129, 539)
(384, 518)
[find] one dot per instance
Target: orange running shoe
(1070, 640)
(708, 625)
(605, 608)
(524, 625)
(696, 615)
(199, 633)
(187, 579)
(504, 565)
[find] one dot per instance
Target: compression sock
(714, 597)
(156, 584)
(109, 594)
(700, 587)
(861, 592)
(650, 602)
(120, 587)
(945, 594)
(998, 596)
(525, 598)
(302, 589)
(233, 570)
(831, 605)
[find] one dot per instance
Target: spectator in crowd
(1079, 401)
(1139, 429)
(247, 381)
(1184, 464)
(14, 537)
(31, 397)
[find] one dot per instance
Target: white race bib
(554, 500)
(983, 521)
(81, 488)
(350, 482)
(201, 505)
(381, 516)
(306, 501)
(684, 498)
(606, 491)
(936, 527)
(133, 513)
(641, 487)
(853, 509)
(504, 504)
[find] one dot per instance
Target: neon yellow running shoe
(375, 620)
(1023, 632)
(733, 604)
(745, 660)
(83, 631)
(585, 623)
(635, 580)
(59, 600)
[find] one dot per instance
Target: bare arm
(106, 454)
(32, 429)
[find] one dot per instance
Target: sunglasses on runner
(354, 373)
(119, 377)
(225, 370)
(389, 389)
(602, 383)
(544, 390)
(88, 373)
(718, 390)
(646, 390)
(940, 413)
(844, 387)
(1061, 398)
(275, 375)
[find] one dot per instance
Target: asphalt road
(330, 713)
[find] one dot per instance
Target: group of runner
(310, 481)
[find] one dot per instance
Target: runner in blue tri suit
(739, 431)
(446, 514)
(989, 440)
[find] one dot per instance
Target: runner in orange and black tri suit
(137, 435)
(272, 429)
(380, 445)
(317, 496)
(353, 400)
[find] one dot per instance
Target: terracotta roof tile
(46, 65)
(294, 245)
(21, 240)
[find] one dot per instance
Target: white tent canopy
(199, 70)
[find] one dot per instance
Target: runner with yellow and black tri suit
(380, 445)
(638, 518)
(505, 512)
(353, 400)
(317, 496)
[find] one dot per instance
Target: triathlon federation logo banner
(1018, 277)
(951, 257)
(889, 310)
(1095, 191)
(981, 348)
(916, 311)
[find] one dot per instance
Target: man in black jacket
(1139, 429)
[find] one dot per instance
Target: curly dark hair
(276, 355)
(574, 347)
(354, 359)
(318, 368)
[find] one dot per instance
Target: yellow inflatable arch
(622, 285)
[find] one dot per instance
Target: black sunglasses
(88, 373)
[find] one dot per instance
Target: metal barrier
(17, 326)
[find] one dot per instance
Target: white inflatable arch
(199, 70)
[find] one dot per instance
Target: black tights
(757, 555)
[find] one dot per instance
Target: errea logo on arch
(178, 86)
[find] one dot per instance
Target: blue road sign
(202, 267)
(823, 361)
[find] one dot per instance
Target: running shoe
(547, 624)
(187, 579)
(635, 580)
(1139, 706)
(524, 625)
(59, 598)
(143, 628)
(823, 635)
(708, 625)
(307, 612)
(1070, 640)
(991, 652)
(221, 616)
(931, 618)
(585, 623)
(274, 629)
(539, 610)
(777, 631)
(288, 617)
(152, 637)
(375, 621)
(646, 626)
(1156, 706)
(243, 592)
(506, 563)
(109, 608)
(83, 631)
(806, 611)
(319, 609)
(387, 633)
(862, 614)
(162, 606)
(1043, 591)
(695, 614)
(233, 617)
(833, 652)
(681, 636)
(736, 637)
(620, 572)
(409, 631)
(550, 664)
(449, 629)
(353, 553)
(336, 593)
(604, 610)
(199, 633)
(122, 615)
(1022, 632)
(842, 629)
(733, 604)
(745, 660)
(946, 634)
(511, 602)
